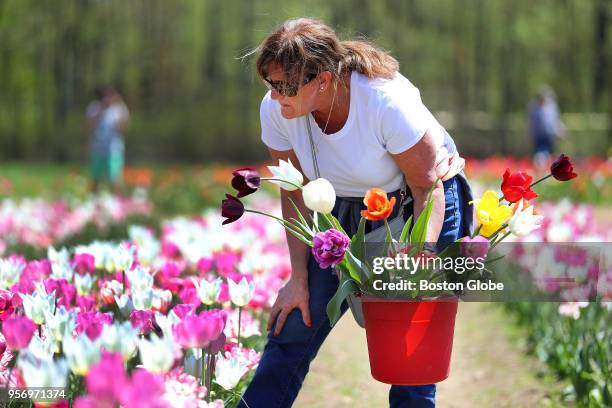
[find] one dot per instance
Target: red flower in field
(516, 186)
(562, 169)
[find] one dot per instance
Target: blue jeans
(286, 357)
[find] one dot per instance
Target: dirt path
(488, 369)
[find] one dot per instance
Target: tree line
(192, 97)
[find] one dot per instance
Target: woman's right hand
(293, 295)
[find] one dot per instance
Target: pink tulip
(107, 379)
(190, 295)
(92, 323)
(205, 264)
(7, 304)
(84, 263)
(478, 247)
(65, 293)
(18, 332)
(170, 250)
(183, 309)
(197, 331)
(145, 390)
(143, 320)
(86, 303)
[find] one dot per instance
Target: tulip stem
(499, 240)
(540, 180)
(494, 235)
(282, 181)
(239, 321)
(477, 231)
(202, 358)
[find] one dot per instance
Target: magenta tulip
(18, 332)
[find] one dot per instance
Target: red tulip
(231, 208)
(562, 169)
(516, 186)
(246, 181)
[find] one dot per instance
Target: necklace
(316, 146)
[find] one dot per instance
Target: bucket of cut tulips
(409, 327)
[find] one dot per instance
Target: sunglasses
(286, 88)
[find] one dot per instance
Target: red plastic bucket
(409, 342)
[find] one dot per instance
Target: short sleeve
(404, 119)
(271, 130)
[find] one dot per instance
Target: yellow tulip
(490, 214)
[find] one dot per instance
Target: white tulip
(125, 305)
(229, 372)
(448, 165)
(82, 353)
(38, 304)
(83, 283)
(123, 258)
(140, 279)
(162, 298)
(61, 323)
(43, 348)
(43, 372)
(208, 292)
(143, 299)
(166, 322)
(62, 270)
(524, 221)
(241, 293)
(10, 272)
(285, 171)
(156, 354)
(120, 338)
(61, 256)
(319, 195)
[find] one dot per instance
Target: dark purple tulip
(231, 208)
(246, 181)
(562, 169)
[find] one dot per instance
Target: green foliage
(192, 98)
(577, 350)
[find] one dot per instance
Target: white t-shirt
(385, 116)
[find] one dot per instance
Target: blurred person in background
(107, 116)
(545, 125)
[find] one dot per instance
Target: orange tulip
(379, 206)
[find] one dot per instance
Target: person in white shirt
(368, 128)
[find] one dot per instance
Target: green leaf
(304, 229)
(296, 233)
(323, 222)
(419, 232)
(334, 306)
(406, 230)
(336, 224)
(298, 212)
(356, 246)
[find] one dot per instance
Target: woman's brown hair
(306, 46)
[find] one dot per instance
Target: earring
(321, 89)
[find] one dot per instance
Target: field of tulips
(148, 301)
(573, 337)
(176, 315)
